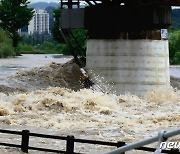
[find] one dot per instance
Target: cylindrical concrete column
(134, 66)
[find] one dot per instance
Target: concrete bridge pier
(133, 66)
(126, 47)
(124, 43)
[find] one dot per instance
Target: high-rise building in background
(39, 24)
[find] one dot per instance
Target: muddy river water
(85, 113)
(27, 61)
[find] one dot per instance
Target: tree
(55, 31)
(174, 47)
(50, 10)
(14, 14)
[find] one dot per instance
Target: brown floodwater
(10, 66)
(84, 113)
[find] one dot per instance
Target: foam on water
(92, 113)
(62, 108)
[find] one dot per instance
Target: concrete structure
(134, 66)
(131, 54)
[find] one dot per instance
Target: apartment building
(39, 24)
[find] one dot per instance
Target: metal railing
(161, 137)
(70, 141)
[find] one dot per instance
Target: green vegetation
(50, 10)
(54, 48)
(55, 31)
(174, 47)
(14, 14)
(25, 48)
(63, 49)
(45, 48)
(6, 49)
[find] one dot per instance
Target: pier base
(133, 66)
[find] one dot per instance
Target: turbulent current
(107, 116)
(66, 109)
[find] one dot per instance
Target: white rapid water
(87, 113)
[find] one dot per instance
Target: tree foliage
(174, 47)
(50, 10)
(14, 14)
(55, 31)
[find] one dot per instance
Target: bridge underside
(113, 22)
(70, 3)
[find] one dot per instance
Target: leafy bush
(6, 49)
(174, 47)
(47, 47)
(53, 48)
(177, 58)
(62, 49)
(25, 47)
